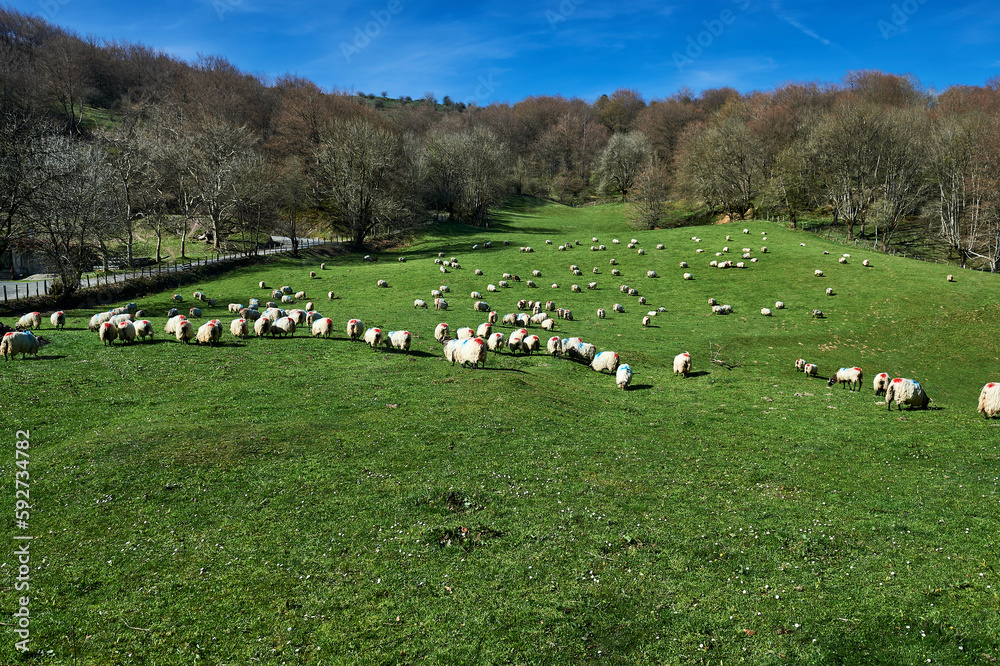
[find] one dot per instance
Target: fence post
(15, 292)
(5, 293)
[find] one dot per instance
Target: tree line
(101, 141)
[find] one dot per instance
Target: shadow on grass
(699, 373)
(640, 387)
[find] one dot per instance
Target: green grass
(314, 501)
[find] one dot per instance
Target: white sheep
(778, 305)
(818, 273)
(849, 377)
(866, 263)
(355, 329)
(641, 251)
(475, 295)
(548, 324)
(989, 400)
(126, 332)
(906, 391)
(178, 298)
(262, 285)
(554, 346)
(613, 262)
(516, 339)
(283, 326)
(606, 360)
(143, 329)
(465, 333)
(100, 318)
(591, 285)
(810, 369)
(682, 364)
(484, 330)
(624, 376)
(440, 304)
(688, 276)
(287, 299)
(842, 260)
(618, 307)
(322, 327)
(766, 312)
(300, 295)
(398, 340)
(495, 342)
(373, 337)
(600, 313)
(262, 327)
(581, 351)
(880, 383)
(329, 295)
(651, 274)
(58, 319)
(419, 303)
(530, 344)
(240, 328)
(298, 316)
(381, 283)
(481, 306)
(537, 319)
(470, 353)
(645, 321)
(23, 343)
(951, 278)
(555, 285)
(800, 364)
(615, 271)
(208, 333)
(829, 291)
(184, 331)
(29, 321)
(660, 246)
(442, 332)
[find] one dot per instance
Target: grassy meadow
(310, 501)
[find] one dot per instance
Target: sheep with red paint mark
(880, 383)
(905, 391)
(989, 400)
(849, 377)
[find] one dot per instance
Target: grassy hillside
(314, 501)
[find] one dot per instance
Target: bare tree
(648, 195)
(622, 160)
(130, 157)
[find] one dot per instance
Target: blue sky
(506, 51)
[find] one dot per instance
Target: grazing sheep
(538, 318)
(641, 251)
(515, 340)
(600, 313)
(262, 285)
(170, 328)
(442, 332)
(440, 304)
(29, 321)
(548, 324)
(355, 328)
(829, 291)
(613, 262)
(477, 272)
(119, 318)
(504, 284)
(373, 337)
(722, 309)
(184, 332)
(208, 333)
(660, 246)
(381, 283)
(287, 299)
(262, 327)
(989, 400)
(329, 295)
(492, 317)
(778, 305)
(322, 267)
(464, 333)
(554, 346)
(624, 376)
(713, 263)
(618, 307)
(591, 285)
(240, 328)
(283, 326)
(866, 263)
(645, 321)
(567, 314)
(101, 317)
(481, 306)
(951, 278)
(651, 274)
(530, 344)
(24, 343)
(555, 285)
(178, 298)
(495, 342)
(298, 316)
(200, 296)
(880, 383)
(818, 273)
(906, 391)
(712, 301)
(58, 319)
(623, 288)
(766, 312)
(682, 364)
(842, 260)
(688, 276)
(810, 369)
(818, 314)
(436, 293)
(510, 319)
(849, 377)
(484, 330)
(475, 295)
(401, 260)
(471, 353)
(800, 364)
(443, 269)
(126, 332)
(581, 351)
(419, 303)
(615, 271)
(398, 340)
(322, 327)
(235, 307)
(143, 329)
(606, 360)
(574, 288)
(491, 287)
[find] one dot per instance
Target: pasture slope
(310, 501)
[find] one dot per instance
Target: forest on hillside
(103, 139)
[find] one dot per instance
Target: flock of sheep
(469, 347)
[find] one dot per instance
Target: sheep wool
(989, 400)
(440, 304)
(484, 330)
(492, 317)
(481, 306)
(530, 344)
(126, 332)
(471, 352)
(173, 323)
(600, 313)
(800, 364)
(810, 369)
(645, 321)
(322, 327)
(849, 377)
(554, 346)
(880, 383)
(355, 327)
(539, 318)
(766, 312)
(906, 392)
(515, 341)
(688, 276)
(548, 324)
(143, 329)
(623, 377)
(495, 342)
(239, 328)
(605, 361)
(682, 364)
(58, 319)
(185, 331)
(464, 333)
(209, 333)
(399, 340)
(21, 342)
(262, 327)
(30, 320)
(373, 337)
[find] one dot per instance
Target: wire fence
(13, 291)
